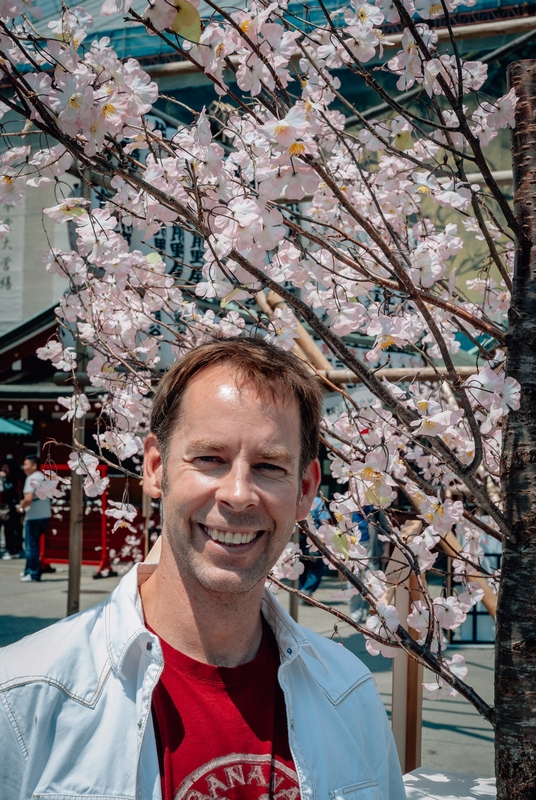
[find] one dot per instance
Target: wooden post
(293, 599)
(406, 714)
(293, 603)
(75, 529)
(414, 697)
(146, 511)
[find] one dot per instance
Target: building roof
(15, 427)
(23, 339)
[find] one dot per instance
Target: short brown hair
(273, 371)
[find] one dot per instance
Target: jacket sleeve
(12, 761)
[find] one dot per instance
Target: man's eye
(208, 459)
(270, 467)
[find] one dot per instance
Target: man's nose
(236, 488)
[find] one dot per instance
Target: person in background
(10, 497)
(370, 524)
(36, 517)
(313, 563)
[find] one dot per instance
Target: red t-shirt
(221, 732)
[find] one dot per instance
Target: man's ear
(152, 467)
(309, 487)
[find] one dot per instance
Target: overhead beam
(393, 374)
(479, 30)
(501, 177)
(493, 55)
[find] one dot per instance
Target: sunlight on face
(233, 485)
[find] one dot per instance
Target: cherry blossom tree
(354, 223)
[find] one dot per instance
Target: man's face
(232, 482)
(28, 467)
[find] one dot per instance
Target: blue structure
(130, 39)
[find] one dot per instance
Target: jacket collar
(123, 614)
(291, 638)
(125, 626)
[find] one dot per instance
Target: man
(36, 517)
(190, 682)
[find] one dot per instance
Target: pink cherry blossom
(278, 191)
(449, 612)
(77, 406)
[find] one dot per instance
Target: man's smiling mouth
(230, 537)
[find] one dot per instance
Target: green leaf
(228, 297)
(187, 23)
(341, 543)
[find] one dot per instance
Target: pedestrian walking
(36, 517)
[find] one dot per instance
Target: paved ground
(455, 737)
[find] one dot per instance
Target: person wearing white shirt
(36, 517)
(95, 707)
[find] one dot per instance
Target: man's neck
(224, 630)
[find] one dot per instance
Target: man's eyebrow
(206, 444)
(276, 454)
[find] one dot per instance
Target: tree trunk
(515, 660)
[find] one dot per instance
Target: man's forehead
(230, 383)
(218, 388)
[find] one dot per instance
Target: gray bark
(515, 655)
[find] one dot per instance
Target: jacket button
(289, 651)
(149, 645)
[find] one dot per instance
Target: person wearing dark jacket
(9, 473)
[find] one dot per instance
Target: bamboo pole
(305, 341)
(392, 374)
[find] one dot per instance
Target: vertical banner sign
(11, 266)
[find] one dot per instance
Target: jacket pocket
(366, 790)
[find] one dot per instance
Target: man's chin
(223, 582)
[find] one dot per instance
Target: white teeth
(226, 537)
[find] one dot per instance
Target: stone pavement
(455, 737)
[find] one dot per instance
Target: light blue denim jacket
(75, 710)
